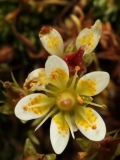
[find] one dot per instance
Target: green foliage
(109, 147)
(30, 153)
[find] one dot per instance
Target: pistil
(66, 100)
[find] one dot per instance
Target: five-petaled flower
(66, 100)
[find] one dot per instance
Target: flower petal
(52, 41)
(36, 80)
(89, 37)
(57, 71)
(92, 83)
(90, 124)
(33, 106)
(59, 133)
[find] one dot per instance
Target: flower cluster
(66, 97)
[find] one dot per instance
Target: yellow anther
(54, 76)
(32, 85)
(94, 127)
(25, 108)
(104, 106)
(77, 68)
(79, 99)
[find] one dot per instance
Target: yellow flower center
(66, 100)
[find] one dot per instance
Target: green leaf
(88, 58)
(29, 149)
(117, 152)
(14, 80)
(50, 157)
(32, 137)
(69, 48)
(6, 109)
(30, 153)
(35, 157)
(84, 144)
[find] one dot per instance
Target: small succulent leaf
(69, 48)
(6, 109)
(37, 121)
(32, 137)
(117, 152)
(84, 143)
(14, 94)
(34, 157)
(14, 80)
(29, 148)
(50, 157)
(88, 58)
(112, 132)
(115, 135)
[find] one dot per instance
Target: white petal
(94, 134)
(52, 41)
(33, 106)
(57, 71)
(36, 80)
(59, 133)
(92, 83)
(89, 37)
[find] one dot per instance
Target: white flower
(66, 100)
(53, 43)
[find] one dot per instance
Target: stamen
(77, 68)
(59, 83)
(94, 127)
(25, 108)
(97, 105)
(83, 116)
(55, 76)
(79, 99)
(67, 118)
(40, 104)
(49, 114)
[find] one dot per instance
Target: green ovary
(66, 100)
